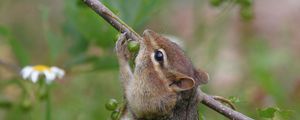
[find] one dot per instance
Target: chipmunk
(163, 83)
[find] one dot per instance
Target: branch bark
(210, 102)
(118, 24)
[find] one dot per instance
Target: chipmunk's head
(163, 70)
(169, 63)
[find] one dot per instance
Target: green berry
(111, 105)
(133, 46)
(4, 102)
(26, 104)
(247, 3)
(114, 115)
(246, 13)
(216, 2)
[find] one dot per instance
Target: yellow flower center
(41, 68)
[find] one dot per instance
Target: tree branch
(210, 102)
(118, 24)
(12, 67)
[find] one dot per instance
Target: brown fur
(149, 89)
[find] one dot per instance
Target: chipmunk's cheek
(141, 56)
(140, 64)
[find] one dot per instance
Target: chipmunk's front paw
(121, 48)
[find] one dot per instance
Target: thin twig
(118, 24)
(209, 101)
(48, 106)
(12, 67)
(224, 100)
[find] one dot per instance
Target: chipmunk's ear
(201, 76)
(182, 82)
(149, 34)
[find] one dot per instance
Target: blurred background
(249, 48)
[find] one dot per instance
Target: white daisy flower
(50, 73)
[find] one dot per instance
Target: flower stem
(48, 104)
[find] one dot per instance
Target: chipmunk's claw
(224, 100)
(121, 47)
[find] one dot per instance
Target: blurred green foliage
(246, 11)
(270, 113)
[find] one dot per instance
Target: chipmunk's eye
(159, 56)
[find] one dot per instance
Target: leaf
(267, 112)
(201, 117)
(79, 59)
(78, 43)
(44, 11)
(90, 25)
(286, 114)
(55, 44)
(19, 52)
(145, 12)
(5, 102)
(105, 63)
(234, 99)
(96, 30)
(260, 61)
(4, 31)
